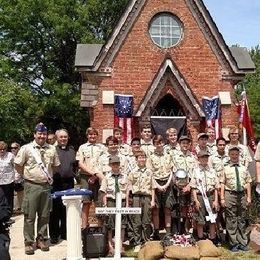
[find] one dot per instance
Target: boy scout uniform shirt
(212, 147)
(89, 154)
(198, 149)
(142, 181)
(131, 163)
(185, 162)
(217, 162)
(171, 149)
(161, 165)
(208, 176)
(124, 149)
(32, 170)
(103, 162)
(148, 148)
(228, 176)
(244, 155)
(108, 185)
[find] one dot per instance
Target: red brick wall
(138, 61)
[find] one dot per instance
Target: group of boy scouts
(179, 186)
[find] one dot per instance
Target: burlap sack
(207, 248)
(210, 258)
(141, 254)
(187, 253)
(153, 250)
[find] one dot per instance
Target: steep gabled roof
(169, 71)
(225, 55)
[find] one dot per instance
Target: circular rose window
(165, 30)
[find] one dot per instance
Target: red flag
(245, 120)
(123, 116)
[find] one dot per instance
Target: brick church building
(168, 54)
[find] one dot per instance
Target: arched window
(168, 106)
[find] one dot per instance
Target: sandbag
(141, 254)
(255, 238)
(209, 258)
(187, 253)
(207, 248)
(153, 250)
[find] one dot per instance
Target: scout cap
(233, 147)
(202, 154)
(114, 159)
(40, 128)
(201, 135)
(184, 137)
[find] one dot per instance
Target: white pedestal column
(73, 210)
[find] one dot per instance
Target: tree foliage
(38, 40)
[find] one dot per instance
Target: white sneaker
(137, 248)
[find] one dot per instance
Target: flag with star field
(211, 107)
(123, 116)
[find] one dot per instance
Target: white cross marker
(118, 211)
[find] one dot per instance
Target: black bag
(94, 242)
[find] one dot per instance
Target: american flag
(124, 106)
(245, 121)
(211, 107)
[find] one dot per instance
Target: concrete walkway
(57, 252)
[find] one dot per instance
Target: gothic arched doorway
(166, 114)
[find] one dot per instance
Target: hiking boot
(234, 248)
(41, 243)
(29, 250)
(243, 248)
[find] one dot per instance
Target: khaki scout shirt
(124, 149)
(103, 162)
(108, 185)
(198, 149)
(217, 162)
(161, 165)
(228, 176)
(131, 163)
(171, 149)
(89, 154)
(148, 148)
(257, 153)
(32, 171)
(212, 148)
(185, 162)
(244, 155)
(141, 180)
(208, 176)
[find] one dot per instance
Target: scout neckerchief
(41, 165)
(211, 217)
(238, 182)
(116, 176)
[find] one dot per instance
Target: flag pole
(244, 134)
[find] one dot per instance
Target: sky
(237, 20)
